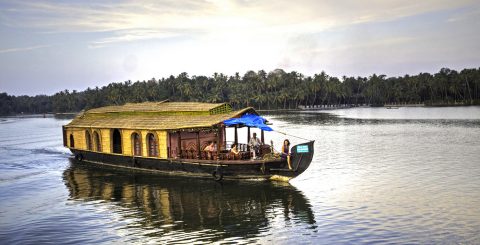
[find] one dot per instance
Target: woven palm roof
(162, 106)
(138, 116)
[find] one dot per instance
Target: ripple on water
(374, 179)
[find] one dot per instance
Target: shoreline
(44, 115)
(386, 106)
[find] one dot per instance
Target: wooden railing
(224, 154)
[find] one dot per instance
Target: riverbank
(404, 105)
(67, 115)
(300, 108)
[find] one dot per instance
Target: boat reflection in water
(193, 207)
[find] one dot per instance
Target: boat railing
(240, 146)
(224, 154)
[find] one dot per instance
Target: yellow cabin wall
(144, 143)
(68, 133)
(105, 140)
(161, 137)
(78, 138)
(162, 144)
(127, 141)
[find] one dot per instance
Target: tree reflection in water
(232, 209)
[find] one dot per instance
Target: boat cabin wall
(105, 137)
(78, 135)
(160, 136)
(75, 138)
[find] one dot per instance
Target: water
(408, 175)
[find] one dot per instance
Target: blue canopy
(250, 120)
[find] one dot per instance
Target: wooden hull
(216, 169)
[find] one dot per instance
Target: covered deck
(190, 144)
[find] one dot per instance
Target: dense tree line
(274, 90)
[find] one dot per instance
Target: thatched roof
(158, 116)
(161, 107)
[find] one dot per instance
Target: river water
(407, 175)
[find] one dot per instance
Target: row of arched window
(152, 145)
(136, 141)
(96, 141)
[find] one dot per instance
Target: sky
(49, 46)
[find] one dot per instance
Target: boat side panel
(261, 170)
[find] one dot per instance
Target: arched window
(96, 139)
(116, 141)
(152, 145)
(88, 138)
(72, 142)
(136, 145)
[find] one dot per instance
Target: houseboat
(172, 138)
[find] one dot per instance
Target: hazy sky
(48, 46)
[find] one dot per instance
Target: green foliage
(274, 90)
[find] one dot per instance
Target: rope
(292, 135)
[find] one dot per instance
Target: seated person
(255, 144)
(210, 149)
(234, 152)
(286, 152)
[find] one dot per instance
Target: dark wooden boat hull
(276, 169)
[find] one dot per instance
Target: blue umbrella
(250, 120)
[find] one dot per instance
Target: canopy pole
(218, 143)
(248, 138)
(262, 136)
(224, 137)
(236, 135)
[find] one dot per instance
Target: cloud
(213, 16)
(134, 35)
(466, 14)
(22, 49)
(202, 37)
(97, 16)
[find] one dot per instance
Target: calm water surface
(408, 175)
